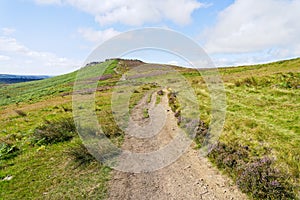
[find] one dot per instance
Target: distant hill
(8, 79)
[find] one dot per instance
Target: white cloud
(4, 58)
(173, 62)
(38, 62)
(7, 31)
(94, 36)
(46, 2)
(252, 26)
(133, 12)
(9, 44)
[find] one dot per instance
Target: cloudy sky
(55, 36)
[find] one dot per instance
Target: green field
(262, 123)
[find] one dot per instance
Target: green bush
(55, 131)
(8, 150)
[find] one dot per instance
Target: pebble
(187, 167)
(8, 178)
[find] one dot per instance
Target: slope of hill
(41, 155)
(9, 79)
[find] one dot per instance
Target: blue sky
(55, 36)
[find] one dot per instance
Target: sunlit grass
(263, 112)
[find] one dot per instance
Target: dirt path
(190, 177)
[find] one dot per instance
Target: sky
(52, 37)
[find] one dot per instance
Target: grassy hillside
(41, 156)
(262, 122)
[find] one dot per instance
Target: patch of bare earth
(189, 177)
(9, 111)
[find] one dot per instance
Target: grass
(262, 122)
(80, 155)
(8, 150)
(145, 113)
(44, 156)
(263, 115)
(49, 174)
(58, 130)
(35, 91)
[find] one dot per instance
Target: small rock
(160, 92)
(187, 167)
(203, 193)
(8, 178)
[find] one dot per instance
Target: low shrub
(262, 181)
(173, 101)
(175, 106)
(80, 155)
(249, 81)
(8, 150)
(55, 131)
(201, 133)
(254, 176)
(229, 157)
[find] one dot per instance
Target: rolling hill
(41, 155)
(8, 79)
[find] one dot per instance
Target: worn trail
(189, 177)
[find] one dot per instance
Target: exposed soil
(190, 177)
(9, 111)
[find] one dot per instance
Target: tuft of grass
(149, 98)
(158, 99)
(249, 81)
(80, 155)
(8, 150)
(145, 113)
(58, 130)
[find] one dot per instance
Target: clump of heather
(264, 181)
(255, 176)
